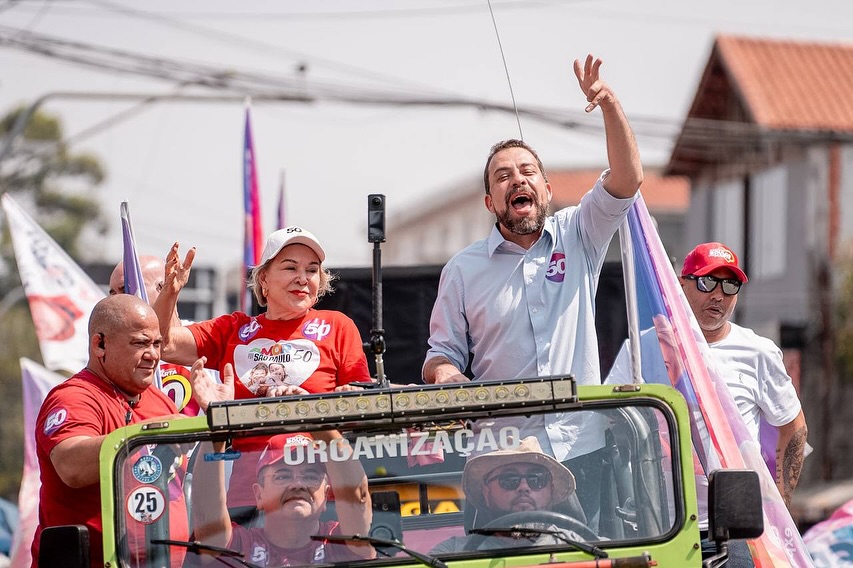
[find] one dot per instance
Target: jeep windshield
(278, 469)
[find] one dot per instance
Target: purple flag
(252, 234)
(720, 436)
(134, 284)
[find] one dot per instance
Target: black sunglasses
(510, 481)
(707, 284)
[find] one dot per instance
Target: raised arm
(626, 171)
(352, 498)
(211, 522)
(790, 452)
(178, 342)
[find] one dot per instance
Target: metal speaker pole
(376, 235)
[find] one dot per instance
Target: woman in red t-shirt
(305, 350)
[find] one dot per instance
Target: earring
(264, 292)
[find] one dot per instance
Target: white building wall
(846, 201)
(727, 215)
(437, 234)
(769, 223)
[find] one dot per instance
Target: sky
(178, 164)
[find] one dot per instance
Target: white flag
(37, 382)
(60, 294)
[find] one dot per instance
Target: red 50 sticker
(146, 504)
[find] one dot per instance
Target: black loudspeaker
(66, 545)
(375, 218)
(408, 295)
(387, 520)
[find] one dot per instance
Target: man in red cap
(750, 364)
(291, 490)
(751, 367)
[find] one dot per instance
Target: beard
(525, 225)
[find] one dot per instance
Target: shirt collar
(496, 239)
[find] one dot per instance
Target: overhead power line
(696, 136)
(259, 85)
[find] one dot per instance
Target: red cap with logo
(277, 445)
(708, 257)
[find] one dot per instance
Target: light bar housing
(397, 404)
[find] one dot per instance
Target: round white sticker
(146, 504)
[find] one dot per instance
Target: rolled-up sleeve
(448, 326)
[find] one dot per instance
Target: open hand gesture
(177, 272)
(595, 90)
(205, 387)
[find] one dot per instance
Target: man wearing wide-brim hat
(514, 480)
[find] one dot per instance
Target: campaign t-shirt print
(267, 362)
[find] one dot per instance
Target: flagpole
(630, 278)
(134, 283)
(252, 232)
(280, 221)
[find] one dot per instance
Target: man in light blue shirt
(522, 300)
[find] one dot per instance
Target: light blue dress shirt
(531, 313)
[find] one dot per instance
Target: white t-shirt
(754, 372)
(750, 365)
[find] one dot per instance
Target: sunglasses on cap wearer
(510, 481)
(707, 284)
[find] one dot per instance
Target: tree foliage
(844, 316)
(18, 337)
(57, 188)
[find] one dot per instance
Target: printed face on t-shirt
(277, 374)
(290, 362)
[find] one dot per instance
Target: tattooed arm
(789, 456)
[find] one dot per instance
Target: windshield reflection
(441, 490)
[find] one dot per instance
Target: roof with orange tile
(791, 85)
(754, 91)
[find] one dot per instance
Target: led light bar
(403, 404)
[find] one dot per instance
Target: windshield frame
(191, 430)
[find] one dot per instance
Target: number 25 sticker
(146, 504)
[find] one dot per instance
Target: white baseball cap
(291, 236)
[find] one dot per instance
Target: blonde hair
(326, 279)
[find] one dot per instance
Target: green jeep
(413, 443)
